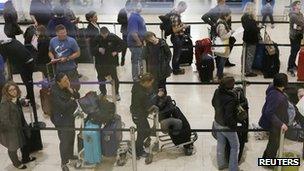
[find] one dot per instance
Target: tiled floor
(194, 101)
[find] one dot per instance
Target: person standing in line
(64, 50)
(250, 37)
(92, 31)
(43, 44)
(178, 28)
(63, 105)
(158, 56)
(41, 12)
(211, 18)
(12, 121)
(107, 46)
(267, 11)
(296, 29)
(11, 27)
(136, 30)
(275, 114)
(225, 104)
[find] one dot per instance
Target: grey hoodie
(296, 25)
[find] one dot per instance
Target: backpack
(166, 24)
(242, 107)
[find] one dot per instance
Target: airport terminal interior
(194, 100)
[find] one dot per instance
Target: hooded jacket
(296, 25)
(275, 109)
(225, 104)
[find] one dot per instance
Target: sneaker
(117, 97)
(179, 72)
(30, 159)
(65, 167)
(251, 74)
(292, 74)
(21, 167)
(228, 64)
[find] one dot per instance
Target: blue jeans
(177, 45)
(234, 143)
(220, 64)
(137, 62)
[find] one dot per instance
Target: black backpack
(166, 24)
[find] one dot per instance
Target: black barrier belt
(157, 130)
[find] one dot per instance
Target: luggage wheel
(78, 164)
(149, 159)
(155, 147)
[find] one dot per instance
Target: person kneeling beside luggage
(12, 122)
(63, 107)
(140, 109)
(225, 104)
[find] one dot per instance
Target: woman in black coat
(12, 136)
(11, 27)
(43, 50)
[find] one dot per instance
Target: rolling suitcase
(111, 139)
(301, 65)
(207, 68)
(186, 56)
(34, 142)
(91, 144)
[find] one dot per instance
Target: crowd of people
(55, 41)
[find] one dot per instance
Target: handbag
(270, 49)
(221, 50)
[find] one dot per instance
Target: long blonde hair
(250, 9)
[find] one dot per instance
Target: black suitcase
(206, 70)
(186, 56)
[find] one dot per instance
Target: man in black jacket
(63, 107)
(107, 47)
(211, 18)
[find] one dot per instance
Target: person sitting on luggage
(225, 104)
(275, 114)
(173, 120)
(250, 37)
(107, 46)
(224, 32)
(12, 122)
(63, 106)
(58, 19)
(158, 55)
(178, 29)
(64, 50)
(296, 29)
(140, 105)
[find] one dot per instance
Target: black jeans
(66, 146)
(102, 72)
(273, 143)
(270, 18)
(143, 132)
(177, 45)
(294, 49)
(26, 73)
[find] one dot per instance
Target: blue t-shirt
(64, 48)
(136, 24)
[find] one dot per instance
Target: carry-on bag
(111, 138)
(91, 144)
(186, 56)
(207, 68)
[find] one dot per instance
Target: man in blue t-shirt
(136, 30)
(63, 51)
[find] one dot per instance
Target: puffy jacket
(225, 104)
(275, 109)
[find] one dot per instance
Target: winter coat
(251, 30)
(225, 104)
(63, 106)
(43, 50)
(111, 44)
(275, 109)
(141, 101)
(158, 66)
(12, 136)
(296, 25)
(122, 19)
